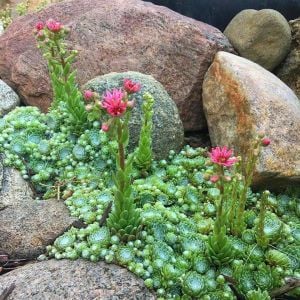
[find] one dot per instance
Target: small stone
(8, 98)
(262, 36)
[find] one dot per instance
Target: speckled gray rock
(8, 98)
(30, 225)
(167, 131)
(262, 36)
(289, 70)
(74, 280)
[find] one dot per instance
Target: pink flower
(39, 26)
(88, 95)
(105, 127)
(53, 25)
(214, 178)
(131, 87)
(113, 103)
(266, 142)
(222, 156)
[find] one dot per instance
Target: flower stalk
(50, 37)
(124, 219)
(143, 157)
(219, 247)
(248, 168)
(261, 238)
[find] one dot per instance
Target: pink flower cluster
(131, 87)
(113, 102)
(222, 156)
(54, 26)
(51, 24)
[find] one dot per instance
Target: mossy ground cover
(177, 205)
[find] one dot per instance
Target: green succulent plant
(175, 252)
(258, 295)
(143, 157)
(194, 284)
(220, 249)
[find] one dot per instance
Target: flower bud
(265, 142)
(39, 26)
(88, 95)
(130, 104)
(214, 178)
(54, 26)
(227, 178)
(105, 127)
(40, 35)
(131, 87)
(89, 107)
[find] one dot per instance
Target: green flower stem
(248, 167)
(64, 86)
(124, 220)
(220, 249)
(233, 205)
(143, 157)
(261, 238)
(121, 156)
(220, 218)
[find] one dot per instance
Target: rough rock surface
(289, 70)
(30, 225)
(8, 98)
(117, 36)
(74, 280)
(167, 133)
(240, 99)
(262, 36)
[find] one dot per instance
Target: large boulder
(241, 99)
(289, 70)
(28, 225)
(116, 36)
(74, 280)
(8, 98)
(262, 36)
(167, 132)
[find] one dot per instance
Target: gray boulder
(262, 36)
(8, 98)
(30, 225)
(289, 70)
(167, 131)
(74, 280)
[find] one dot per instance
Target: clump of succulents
(175, 222)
